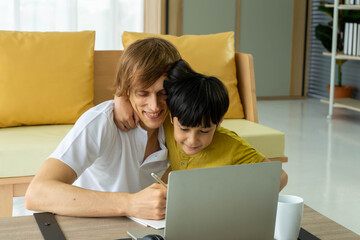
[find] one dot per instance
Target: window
(109, 18)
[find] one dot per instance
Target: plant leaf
(328, 11)
(350, 16)
(324, 34)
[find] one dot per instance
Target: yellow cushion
(24, 149)
(211, 54)
(268, 141)
(45, 77)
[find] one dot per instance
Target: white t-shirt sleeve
(85, 142)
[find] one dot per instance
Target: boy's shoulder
(228, 139)
(224, 134)
(231, 144)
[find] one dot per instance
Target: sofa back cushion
(45, 77)
(211, 54)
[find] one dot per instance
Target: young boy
(197, 105)
(194, 138)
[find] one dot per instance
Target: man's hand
(149, 203)
(125, 117)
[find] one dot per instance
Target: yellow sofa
(23, 149)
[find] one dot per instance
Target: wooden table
(112, 228)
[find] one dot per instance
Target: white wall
(208, 16)
(265, 32)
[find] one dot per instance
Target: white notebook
(157, 224)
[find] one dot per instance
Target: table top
(115, 227)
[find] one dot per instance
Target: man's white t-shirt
(107, 159)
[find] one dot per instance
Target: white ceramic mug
(288, 217)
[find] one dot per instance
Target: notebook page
(156, 224)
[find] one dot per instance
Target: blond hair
(143, 63)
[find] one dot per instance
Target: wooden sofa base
(9, 188)
(16, 187)
(283, 159)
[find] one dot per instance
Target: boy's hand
(125, 117)
(149, 203)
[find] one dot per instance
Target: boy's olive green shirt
(226, 148)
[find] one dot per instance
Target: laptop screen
(230, 202)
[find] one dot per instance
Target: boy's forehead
(202, 125)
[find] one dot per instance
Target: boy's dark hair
(195, 99)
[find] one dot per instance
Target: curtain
(109, 18)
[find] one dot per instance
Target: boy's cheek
(178, 137)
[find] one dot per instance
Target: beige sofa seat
(24, 149)
(268, 141)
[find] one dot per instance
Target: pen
(158, 179)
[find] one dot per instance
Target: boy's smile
(192, 139)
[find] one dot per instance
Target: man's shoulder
(97, 121)
(106, 107)
(100, 112)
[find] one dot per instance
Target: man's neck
(150, 131)
(152, 144)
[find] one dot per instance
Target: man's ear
(222, 119)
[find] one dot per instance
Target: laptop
(230, 202)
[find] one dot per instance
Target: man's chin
(153, 124)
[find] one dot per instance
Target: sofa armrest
(105, 71)
(246, 85)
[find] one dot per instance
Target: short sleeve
(86, 141)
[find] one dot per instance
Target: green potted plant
(324, 34)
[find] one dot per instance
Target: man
(98, 170)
